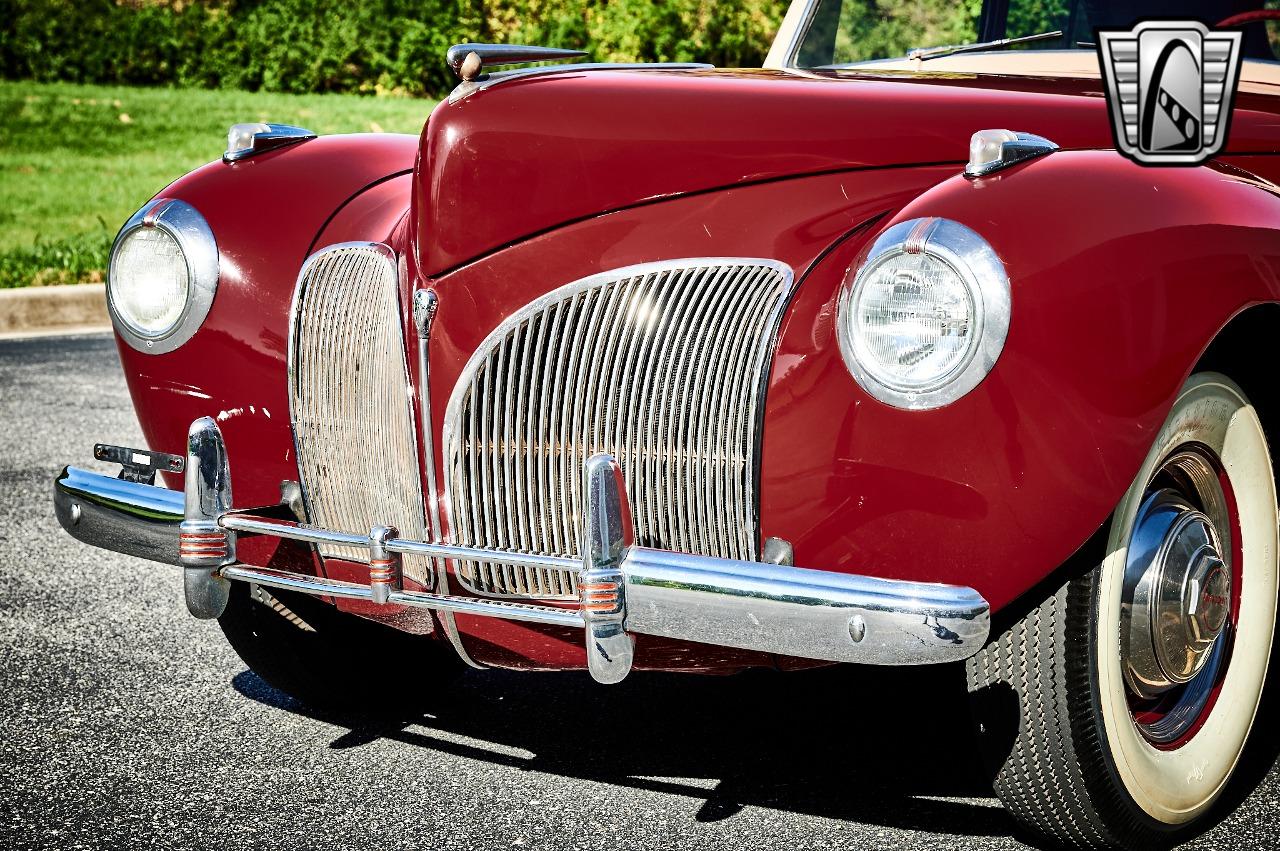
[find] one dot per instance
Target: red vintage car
(673, 368)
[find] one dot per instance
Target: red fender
(1121, 276)
(267, 213)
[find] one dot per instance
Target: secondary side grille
(662, 365)
(351, 401)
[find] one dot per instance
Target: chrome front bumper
(625, 589)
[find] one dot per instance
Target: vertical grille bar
(351, 401)
(663, 366)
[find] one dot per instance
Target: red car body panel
(1118, 286)
(536, 183)
(530, 154)
(266, 213)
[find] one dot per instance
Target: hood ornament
(468, 61)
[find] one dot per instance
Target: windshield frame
(992, 24)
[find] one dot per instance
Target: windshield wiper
(923, 53)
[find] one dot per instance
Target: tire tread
(1040, 781)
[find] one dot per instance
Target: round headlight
(925, 317)
(162, 276)
(150, 281)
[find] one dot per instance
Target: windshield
(844, 32)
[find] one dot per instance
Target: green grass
(76, 161)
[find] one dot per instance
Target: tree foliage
(342, 46)
(304, 46)
(875, 29)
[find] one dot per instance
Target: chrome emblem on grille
(1170, 87)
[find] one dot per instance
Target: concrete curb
(29, 311)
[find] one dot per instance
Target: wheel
(330, 660)
(1114, 710)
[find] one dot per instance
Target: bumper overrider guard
(624, 589)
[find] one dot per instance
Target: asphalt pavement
(125, 723)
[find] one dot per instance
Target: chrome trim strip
(471, 553)
(314, 535)
(283, 579)
(470, 87)
(437, 602)
(293, 531)
(425, 305)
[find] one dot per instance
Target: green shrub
(728, 34)
(303, 46)
(76, 260)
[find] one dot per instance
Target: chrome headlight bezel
(184, 224)
(982, 273)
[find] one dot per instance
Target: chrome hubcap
(1177, 592)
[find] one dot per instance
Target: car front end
(674, 368)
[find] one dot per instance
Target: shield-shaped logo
(1170, 85)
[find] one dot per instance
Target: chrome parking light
(246, 140)
(993, 150)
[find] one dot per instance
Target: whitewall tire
(1099, 734)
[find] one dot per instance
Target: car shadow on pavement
(888, 747)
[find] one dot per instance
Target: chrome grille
(662, 365)
(351, 401)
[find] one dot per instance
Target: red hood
(529, 154)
